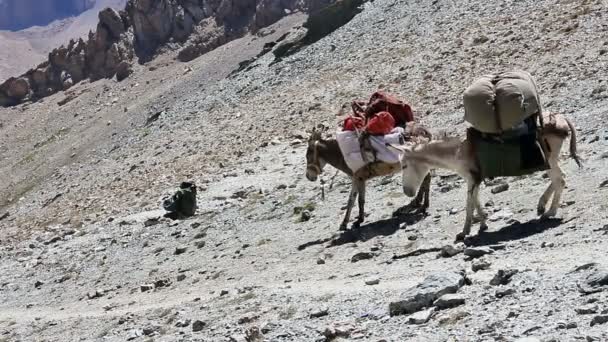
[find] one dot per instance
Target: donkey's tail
(573, 154)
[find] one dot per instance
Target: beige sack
(496, 103)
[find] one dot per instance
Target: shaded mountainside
(84, 256)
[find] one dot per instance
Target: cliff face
(20, 14)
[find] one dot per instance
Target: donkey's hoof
(540, 210)
(460, 237)
(343, 226)
(548, 215)
(483, 227)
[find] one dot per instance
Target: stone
(94, 294)
(503, 277)
(449, 300)
(449, 251)
(135, 333)
(480, 264)
(180, 250)
(500, 188)
(198, 325)
(477, 252)
(182, 323)
(123, 71)
(587, 309)
(372, 281)
(17, 88)
(146, 287)
(305, 215)
(601, 319)
(503, 292)
(424, 294)
(361, 256)
(199, 244)
(53, 240)
(421, 317)
(181, 277)
(320, 261)
(598, 278)
(319, 312)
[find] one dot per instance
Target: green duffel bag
(516, 156)
(497, 103)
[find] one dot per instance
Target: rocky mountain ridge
(139, 30)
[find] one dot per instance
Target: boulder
(153, 21)
(17, 88)
(424, 294)
(123, 70)
(111, 20)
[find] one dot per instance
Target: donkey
(459, 156)
(326, 151)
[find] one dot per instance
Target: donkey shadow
(365, 232)
(512, 232)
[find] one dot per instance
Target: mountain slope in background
(21, 14)
(21, 50)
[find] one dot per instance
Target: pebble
(601, 319)
(182, 323)
(449, 251)
(587, 309)
(372, 281)
(421, 317)
(198, 325)
(320, 312)
(180, 250)
(361, 256)
(449, 301)
(480, 264)
(500, 188)
(477, 252)
(503, 277)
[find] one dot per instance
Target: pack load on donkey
(383, 119)
(506, 114)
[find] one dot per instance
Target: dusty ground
(75, 265)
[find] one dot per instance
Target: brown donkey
(321, 152)
(459, 156)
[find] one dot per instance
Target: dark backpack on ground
(182, 203)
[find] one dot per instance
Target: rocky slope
(83, 257)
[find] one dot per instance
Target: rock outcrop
(141, 29)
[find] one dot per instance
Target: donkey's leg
(421, 201)
(361, 191)
(349, 205)
(558, 183)
(483, 216)
(542, 202)
(469, 210)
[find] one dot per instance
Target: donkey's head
(413, 169)
(314, 164)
